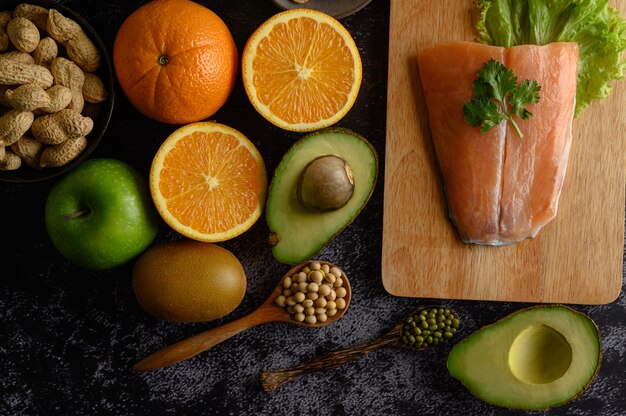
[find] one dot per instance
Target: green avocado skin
(298, 233)
(562, 346)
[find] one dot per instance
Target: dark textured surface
(69, 336)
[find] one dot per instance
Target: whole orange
(175, 60)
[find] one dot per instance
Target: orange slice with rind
(208, 182)
(301, 70)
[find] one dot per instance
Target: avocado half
(298, 233)
(534, 359)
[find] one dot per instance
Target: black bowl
(100, 113)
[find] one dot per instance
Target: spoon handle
(271, 380)
(196, 344)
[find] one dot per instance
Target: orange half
(301, 70)
(208, 182)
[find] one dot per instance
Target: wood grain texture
(576, 258)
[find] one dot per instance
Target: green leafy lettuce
(597, 28)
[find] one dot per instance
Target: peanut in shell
(62, 154)
(63, 125)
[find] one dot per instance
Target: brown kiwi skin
(274, 238)
(163, 274)
(585, 387)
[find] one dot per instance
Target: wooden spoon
(267, 312)
(271, 380)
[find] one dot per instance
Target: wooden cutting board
(577, 258)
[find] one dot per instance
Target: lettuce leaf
(598, 29)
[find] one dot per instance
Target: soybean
(315, 294)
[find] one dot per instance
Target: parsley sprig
(497, 97)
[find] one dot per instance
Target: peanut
(45, 52)
(35, 80)
(79, 47)
(61, 154)
(10, 161)
(4, 38)
(13, 125)
(29, 150)
(5, 17)
(23, 34)
(61, 28)
(27, 97)
(93, 89)
(63, 125)
(68, 74)
(17, 56)
(36, 14)
(17, 73)
(60, 97)
(82, 51)
(30, 97)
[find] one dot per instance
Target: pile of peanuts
(46, 76)
(314, 294)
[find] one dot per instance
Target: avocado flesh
(301, 232)
(536, 358)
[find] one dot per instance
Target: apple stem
(78, 214)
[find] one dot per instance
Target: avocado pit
(325, 184)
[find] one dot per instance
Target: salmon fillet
(500, 189)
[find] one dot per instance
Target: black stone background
(69, 336)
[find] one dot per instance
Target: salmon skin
(500, 189)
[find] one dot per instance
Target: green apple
(101, 215)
